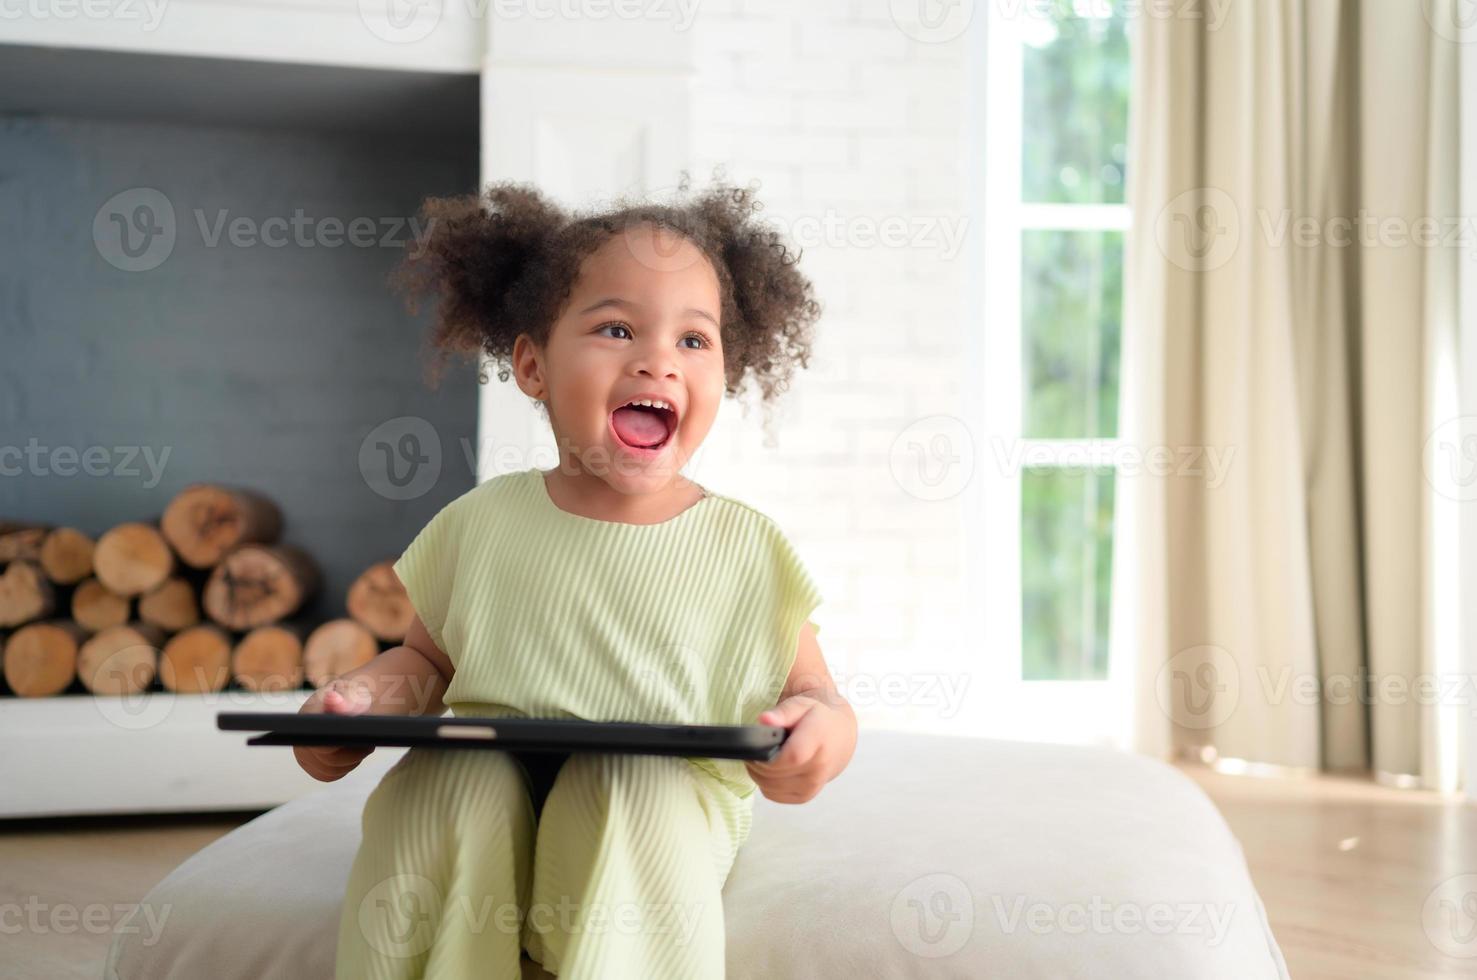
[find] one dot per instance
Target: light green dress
(545, 613)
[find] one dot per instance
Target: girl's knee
(658, 787)
(608, 768)
(449, 778)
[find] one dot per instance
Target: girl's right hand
(326, 763)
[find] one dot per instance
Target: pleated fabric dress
(599, 866)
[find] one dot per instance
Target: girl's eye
(615, 324)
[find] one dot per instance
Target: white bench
(930, 856)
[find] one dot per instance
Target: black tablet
(757, 742)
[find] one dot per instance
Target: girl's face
(642, 322)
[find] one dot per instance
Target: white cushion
(929, 856)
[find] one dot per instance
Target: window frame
(1006, 705)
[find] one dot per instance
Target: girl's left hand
(821, 741)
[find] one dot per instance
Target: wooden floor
(1344, 867)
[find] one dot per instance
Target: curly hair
(505, 262)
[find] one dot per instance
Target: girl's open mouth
(643, 429)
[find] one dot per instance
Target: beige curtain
(1291, 310)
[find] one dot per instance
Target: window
(1050, 144)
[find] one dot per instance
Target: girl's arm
(822, 728)
(409, 679)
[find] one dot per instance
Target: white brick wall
(848, 123)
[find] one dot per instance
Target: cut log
(205, 521)
(41, 658)
(259, 584)
(269, 658)
(377, 600)
(120, 659)
(196, 660)
(21, 542)
(171, 607)
(25, 594)
(66, 556)
(95, 608)
(335, 648)
(132, 558)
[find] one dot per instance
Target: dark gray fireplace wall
(186, 303)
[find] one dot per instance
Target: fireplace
(193, 290)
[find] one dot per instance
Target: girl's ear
(527, 370)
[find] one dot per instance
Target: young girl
(610, 588)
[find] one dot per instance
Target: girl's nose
(656, 365)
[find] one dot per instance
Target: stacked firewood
(204, 598)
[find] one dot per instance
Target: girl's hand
(821, 741)
(329, 762)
